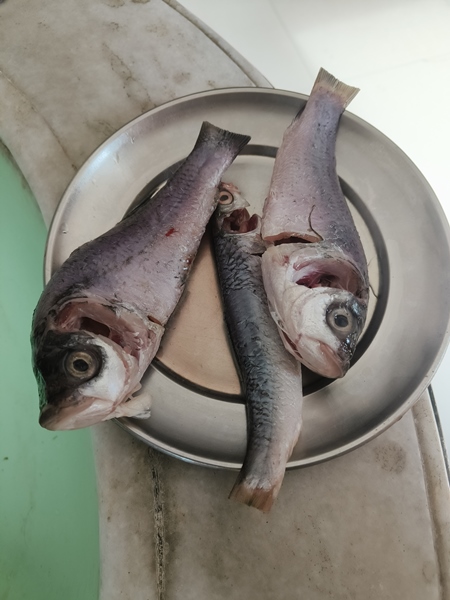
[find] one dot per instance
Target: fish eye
(341, 320)
(225, 197)
(81, 364)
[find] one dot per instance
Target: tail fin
(210, 134)
(326, 81)
(253, 492)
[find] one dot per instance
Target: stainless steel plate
(198, 413)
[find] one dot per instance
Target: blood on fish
(319, 280)
(153, 320)
(170, 231)
(88, 324)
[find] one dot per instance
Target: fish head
(319, 302)
(323, 328)
(232, 216)
(232, 219)
(86, 377)
(80, 379)
(229, 199)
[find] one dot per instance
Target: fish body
(315, 272)
(100, 319)
(271, 377)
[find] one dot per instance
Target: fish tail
(326, 81)
(254, 493)
(210, 134)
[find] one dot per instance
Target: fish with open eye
(315, 272)
(271, 378)
(100, 319)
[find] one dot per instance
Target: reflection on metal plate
(198, 412)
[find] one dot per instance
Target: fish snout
(75, 415)
(334, 364)
(345, 352)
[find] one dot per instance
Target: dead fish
(271, 377)
(100, 319)
(315, 274)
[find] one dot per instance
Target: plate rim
(129, 425)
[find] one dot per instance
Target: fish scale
(271, 378)
(100, 319)
(315, 273)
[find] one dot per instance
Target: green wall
(48, 501)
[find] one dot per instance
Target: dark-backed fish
(315, 274)
(271, 377)
(99, 321)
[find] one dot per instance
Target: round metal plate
(198, 413)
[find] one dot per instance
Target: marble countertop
(374, 523)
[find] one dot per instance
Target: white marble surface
(373, 524)
(355, 527)
(75, 72)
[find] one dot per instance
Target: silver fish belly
(271, 377)
(315, 273)
(99, 321)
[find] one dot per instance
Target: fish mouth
(332, 365)
(82, 414)
(335, 365)
(240, 221)
(125, 342)
(325, 362)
